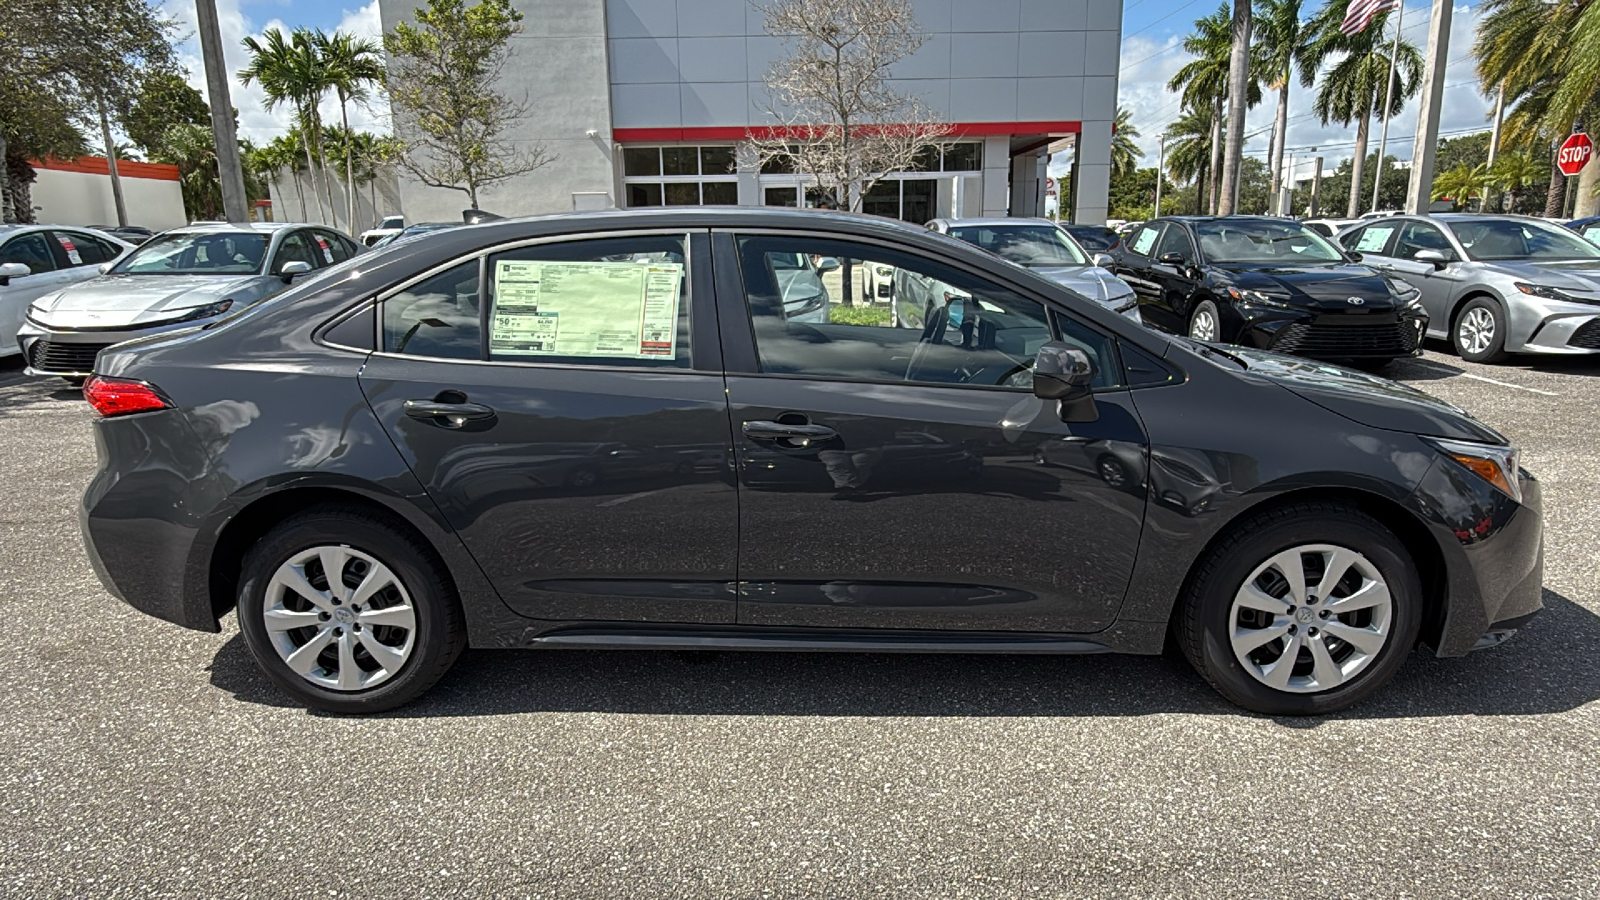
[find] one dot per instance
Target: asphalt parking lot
(144, 760)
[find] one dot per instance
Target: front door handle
(774, 431)
(447, 415)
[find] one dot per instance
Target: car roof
(999, 220)
(215, 227)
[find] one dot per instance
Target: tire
(355, 538)
(1112, 472)
(1337, 535)
(1206, 311)
(1467, 333)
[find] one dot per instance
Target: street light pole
(1419, 190)
(1161, 166)
(228, 169)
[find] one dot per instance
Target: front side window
(1505, 239)
(1264, 242)
(296, 248)
(209, 253)
(1025, 245)
(942, 325)
(1176, 240)
(30, 250)
(1418, 236)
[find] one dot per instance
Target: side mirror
(106, 267)
(1064, 373)
(827, 264)
(1104, 260)
(9, 271)
(292, 268)
(1354, 256)
(1437, 259)
(1174, 259)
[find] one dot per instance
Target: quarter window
(940, 326)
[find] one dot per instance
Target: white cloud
(255, 121)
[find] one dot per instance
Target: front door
(905, 476)
(563, 405)
(1438, 284)
(31, 249)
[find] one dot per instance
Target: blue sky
(1152, 32)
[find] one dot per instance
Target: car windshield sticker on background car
(374, 479)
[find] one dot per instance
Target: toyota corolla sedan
(177, 280)
(1040, 245)
(1492, 285)
(354, 480)
(1271, 284)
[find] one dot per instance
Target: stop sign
(1575, 154)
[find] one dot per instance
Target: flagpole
(1388, 98)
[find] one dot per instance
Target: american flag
(1359, 15)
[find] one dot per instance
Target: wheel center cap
(343, 615)
(1305, 614)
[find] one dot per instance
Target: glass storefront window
(716, 160)
(719, 193)
(641, 161)
(680, 161)
(683, 193)
(644, 194)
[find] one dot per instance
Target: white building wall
(295, 197)
(81, 198)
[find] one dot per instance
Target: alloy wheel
(339, 618)
(1310, 618)
(1204, 326)
(1476, 330)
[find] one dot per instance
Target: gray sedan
(1040, 245)
(177, 280)
(1492, 285)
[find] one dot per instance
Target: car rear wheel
(1302, 610)
(1205, 324)
(1480, 332)
(347, 613)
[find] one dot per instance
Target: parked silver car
(1492, 285)
(176, 280)
(1048, 250)
(38, 259)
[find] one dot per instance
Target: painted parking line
(1449, 371)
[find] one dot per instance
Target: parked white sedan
(38, 259)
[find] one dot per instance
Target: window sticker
(620, 310)
(72, 251)
(1374, 239)
(1145, 240)
(327, 255)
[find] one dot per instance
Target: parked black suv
(602, 430)
(1268, 283)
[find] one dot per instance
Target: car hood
(1316, 287)
(1581, 275)
(1091, 281)
(1368, 399)
(113, 300)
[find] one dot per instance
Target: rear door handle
(448, 415)
(773, 431)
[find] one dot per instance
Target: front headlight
(206, 312)
(1553, 293)
(1491, 462)
(1407, 295)
(1258, 298)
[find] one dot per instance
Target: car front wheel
(1480, 332)
(1205, 324)
(347, 613)
(1302, 610)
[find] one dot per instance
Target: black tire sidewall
(438, 639)
(1347, 529)
(1496, 350)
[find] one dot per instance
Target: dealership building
(646, 102)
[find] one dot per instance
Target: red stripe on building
(740, 132)
(97, 165)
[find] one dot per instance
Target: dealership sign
(1575, 154)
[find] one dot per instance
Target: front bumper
(71, 353)
(1493, 549)
(1384, 334)
(1564, 333)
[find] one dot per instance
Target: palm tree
(352, 66)
(193, 149)
(1357, 84)
(285, 151)
(1284, 42)
(1238, 89)
(1203, 82)
(1124, 152)
(289, 74)
(1513, 172)
(1461, 184)
(1189, 156)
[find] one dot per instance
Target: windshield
(1495, 239)
(1026, 245)
(1095, 239)
(211, 253)
(1264, 242)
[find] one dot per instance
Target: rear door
(1135, 264)
(906, 477)
(563, 404)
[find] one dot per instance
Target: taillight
(120, 397)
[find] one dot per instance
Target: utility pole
(228, 169)
(1419, 193)
(1388, 101)
(1161, 167)
(1494, 138)
(1316, 187)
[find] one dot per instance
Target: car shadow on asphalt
(1545, 669)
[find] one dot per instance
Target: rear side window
(1371, 239)
(85, 250)
(1143, 240)
(437, 316)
